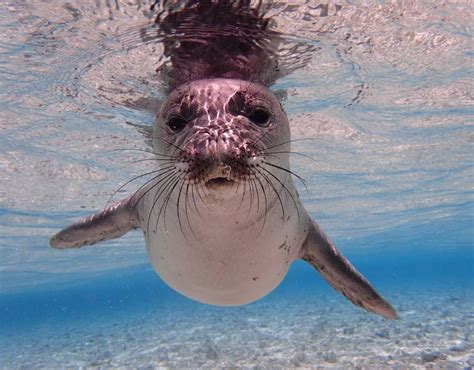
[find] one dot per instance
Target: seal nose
(218, 146)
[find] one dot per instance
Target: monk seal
(221, 216)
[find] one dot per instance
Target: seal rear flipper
(320, 252)
(110, 223)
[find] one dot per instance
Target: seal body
(221, 217)
(228, 259)
(229, 243)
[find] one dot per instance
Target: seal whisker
(165, 191)
(260, 138)
(171, 157)
(139, 190)
(160, 188)
(180, 178)
(257, 192)
(251, 194)
(183, 181)
(198, 187)
(167, 199)
(237, 188)
(167, 156)
(243, 195)
(291, 152)
(274, 189)
(169, 143)
(130, 150)
(290, 141)
(162, 161)
(159, 192)
(186, 200)
(265, 198)
(136, 178)
(194, 201)
(303, 181)
(252, 197)
(284, 187)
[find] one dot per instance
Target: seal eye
(260, 117)
(176, 123)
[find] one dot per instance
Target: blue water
(389, 113)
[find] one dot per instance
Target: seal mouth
(220, 177)
(219, 182)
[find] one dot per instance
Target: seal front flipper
(110, 223)
(320, 252)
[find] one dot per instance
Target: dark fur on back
(210, 39)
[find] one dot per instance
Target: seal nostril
(176, 123)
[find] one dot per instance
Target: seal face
(221, 217)
(218, 130)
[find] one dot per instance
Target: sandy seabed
(435, 330)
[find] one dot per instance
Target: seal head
(218, 130)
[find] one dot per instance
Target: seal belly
(222, 265)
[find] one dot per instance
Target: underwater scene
(214, 141)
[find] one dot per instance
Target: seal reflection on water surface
(221, 217)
